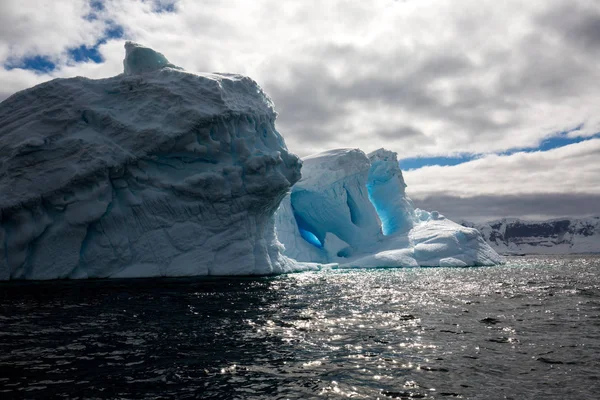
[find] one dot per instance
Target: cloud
(527, 206)
(46, 28)
(521, 184)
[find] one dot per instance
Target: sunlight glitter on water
(525, 330)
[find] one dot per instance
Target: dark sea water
(527, 330)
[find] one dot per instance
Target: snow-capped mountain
(556, 236)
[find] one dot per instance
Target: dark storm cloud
(485, 208)
(314, 106)
(402, 131)
(444, 65)
(578, 24)
(315, 103)
(304, 106)
(543, 73)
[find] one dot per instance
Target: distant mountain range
(511, 236)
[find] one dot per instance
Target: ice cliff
(154, 172)
(351, 209)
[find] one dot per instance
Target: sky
(492, 106)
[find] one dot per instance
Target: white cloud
(46, 28)
(569, 169)
(567, 174)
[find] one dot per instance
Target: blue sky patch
(114, 32)
(43, 64)
(419, 162)
(39, 64)
(85, 54)
(161, 7)
(554, 142)
(97, 5)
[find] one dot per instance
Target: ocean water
(526, 330)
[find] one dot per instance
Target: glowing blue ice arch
(306, 231)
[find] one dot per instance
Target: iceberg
(162, 172)
(154, 172)
(350, 209)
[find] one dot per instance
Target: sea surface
(526, 330)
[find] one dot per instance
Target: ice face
(387, 193)
(164, 173)
(352, 210)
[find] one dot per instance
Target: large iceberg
(352, 210)
(154, 172)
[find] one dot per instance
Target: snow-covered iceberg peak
(352, 210)
(140, 59)
(156, 172)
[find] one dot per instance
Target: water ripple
(525, 330)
